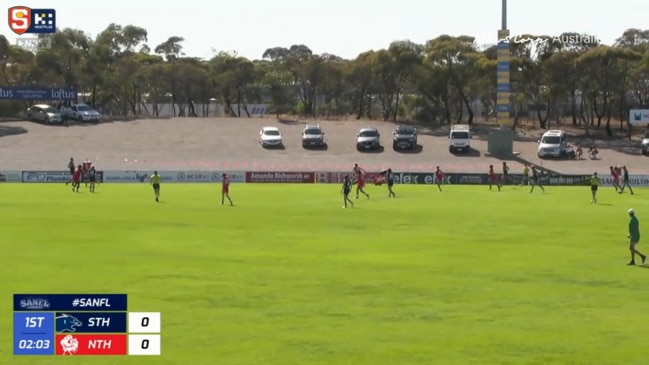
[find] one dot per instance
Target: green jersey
(155, 179)
(594, 180)
(634, 229)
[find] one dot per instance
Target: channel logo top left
(24, 20)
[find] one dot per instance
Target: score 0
(144, 333)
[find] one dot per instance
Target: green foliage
(570, 75)
(466, 276)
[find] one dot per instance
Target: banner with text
(52, 176)
(11, 176)
(173, 176)
(334, 177)
(639, 117)
(280, 177)
(634, 180)
(429, 178)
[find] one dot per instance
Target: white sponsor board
(634, 180)
(172, 176)
(45, 176)
(639, 117)
(11, 176)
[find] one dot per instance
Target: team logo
(35, 176)
(20, 19)
(26, 20)
(34, 304)
(67, 323)
(69, 344)
(637, 116)
(181, 177)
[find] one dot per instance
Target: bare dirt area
(232, 144)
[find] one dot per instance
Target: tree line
(441, 81)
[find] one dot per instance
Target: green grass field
(288, 277)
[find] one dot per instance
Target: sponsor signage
(568, 180)
(334, 177)
(634, 180)
(639, 117)
(37, 93)
(172, 176)
(280, 177)
(11, 176)
(429, 178)
(51, 176)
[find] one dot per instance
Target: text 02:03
(34, 345)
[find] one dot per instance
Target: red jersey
(358, 172)
(77, 175)
(492, 175)
(226, 184)
(440, 175)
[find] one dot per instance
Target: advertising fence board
(11, 176)
(173, 176)
(61, 176)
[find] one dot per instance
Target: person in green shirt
(634, 237)
(594, 184)
(155, 182)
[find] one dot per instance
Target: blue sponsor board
(86, 322)
(503, 88)
(38, 93)
(70, 302)
(504, 44)
(502, 108)
(503, 66)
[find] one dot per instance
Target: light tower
(501, 142)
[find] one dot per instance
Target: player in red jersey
(86, 168)
(76, 179)
(493, 178)
(360, 181)
(439, 177)
(225, 189)
(615, 175)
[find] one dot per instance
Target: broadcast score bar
(83, 324)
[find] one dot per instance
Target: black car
(404, 137)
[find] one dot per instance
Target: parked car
(553, 143)
(404, 136)
(45, 113)
(270, 137)
(645, 144)
(459, 138)
(313, 136)
(368, 139)
(82, 113)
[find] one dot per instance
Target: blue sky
(342, 27)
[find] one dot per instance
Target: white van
(459, 138)
(553, 143)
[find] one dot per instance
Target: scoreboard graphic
(83, 324)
